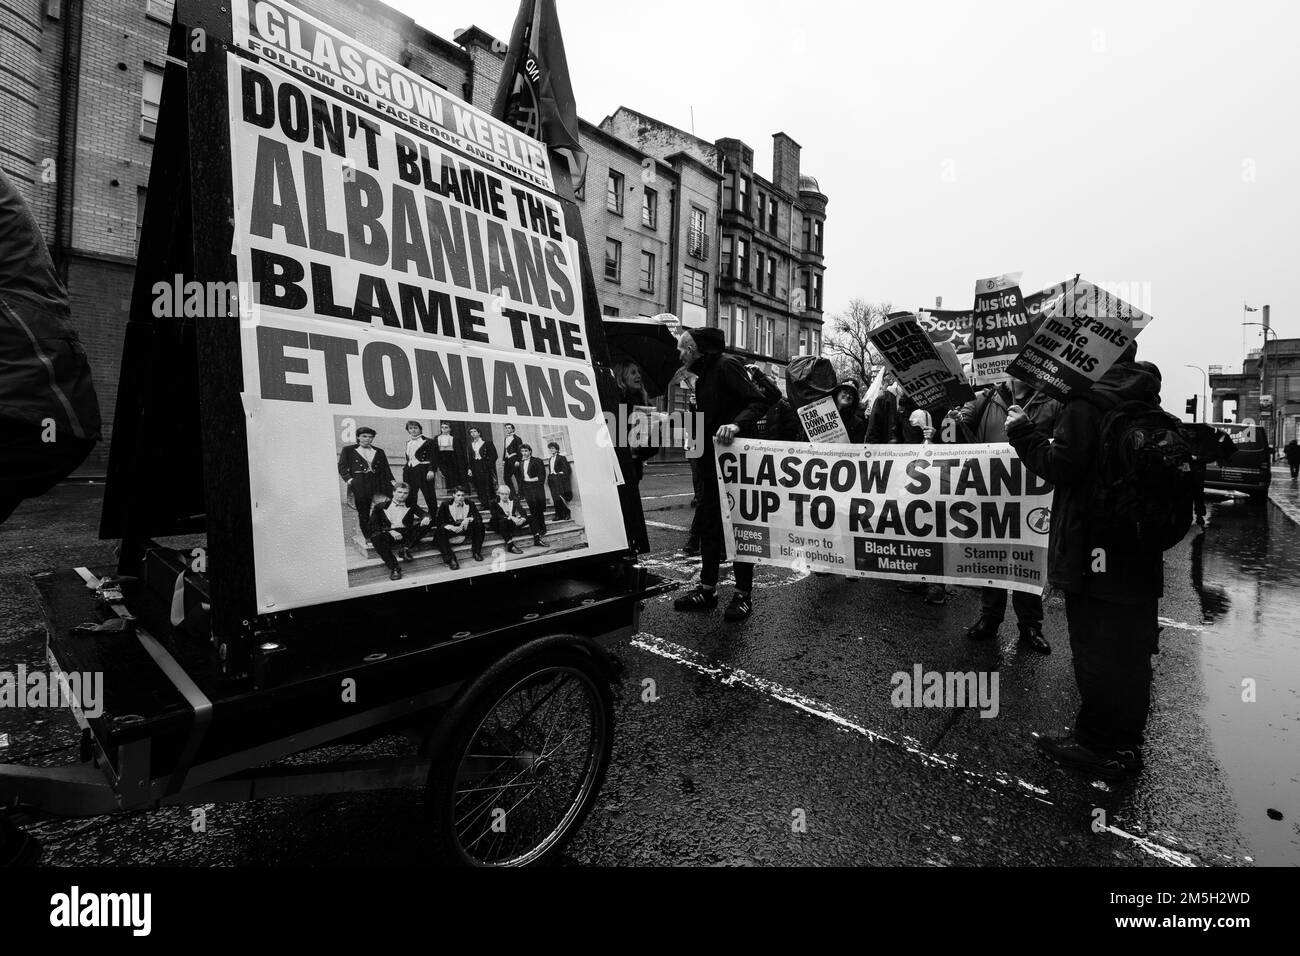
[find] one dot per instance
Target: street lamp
(1205, 409)
(1268, 367)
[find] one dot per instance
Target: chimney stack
(785, 163)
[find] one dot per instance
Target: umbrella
(651, 343)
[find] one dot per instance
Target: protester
(883, 418)
(848, 402)
(984, 420)
(365, 469)
(1292, 453)
(731, 405)
(781, 423)
(631, 395)
(1112, 588)
(915, 429)
(49, 414)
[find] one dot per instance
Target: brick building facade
(80, 82)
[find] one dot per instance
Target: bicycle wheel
(524, 765)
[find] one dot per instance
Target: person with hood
(883, 417)
(984, 422)
(49, 414)
(849, 403)
(1112, 588)
(1292, 453)
(730, 405)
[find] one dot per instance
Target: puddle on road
(1246, 573)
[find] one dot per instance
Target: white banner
(955, 514)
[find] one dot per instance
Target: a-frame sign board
(179, 461)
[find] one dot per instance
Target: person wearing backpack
(1112, 450)
(49, 414)
(983, 420)
(731, 406)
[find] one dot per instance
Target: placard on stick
(1082, 335)
(914, 360)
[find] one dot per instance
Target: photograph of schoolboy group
(426, 497)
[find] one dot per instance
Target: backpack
(809, 378)
(1145, 477)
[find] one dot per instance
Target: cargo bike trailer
(503, 682)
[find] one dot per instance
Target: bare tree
(847, 345)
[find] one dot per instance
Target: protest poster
(1002, 327)
(915, 361)
(948, 326)
(297, 42)
(951, 514)
(821, 421)
(957, 327)
(404, 289)
(1082, 335)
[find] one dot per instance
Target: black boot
(1031, 635)
(985, 629)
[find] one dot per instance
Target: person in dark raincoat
(49, 413)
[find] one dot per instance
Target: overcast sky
(1152, 143)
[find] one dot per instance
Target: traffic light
(1191, 407)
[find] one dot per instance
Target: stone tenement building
(673, 223)
(771, 238)
(1273, 371)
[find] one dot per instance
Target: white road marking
(663, 524)
(1177, 626)
(729, 677)
(684, 494)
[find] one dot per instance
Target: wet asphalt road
(787, 719)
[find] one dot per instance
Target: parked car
(1250, 469)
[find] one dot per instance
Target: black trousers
(535, 496)
(1112, 646)
(485, 481)
(1028, 607)
(1295, 468)
(557, 495)
(510, 472)
(708, 516)
(364, 490)
(386, 545)
(417, 476)
(507, 529)
(474, 533)
(452, 477)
